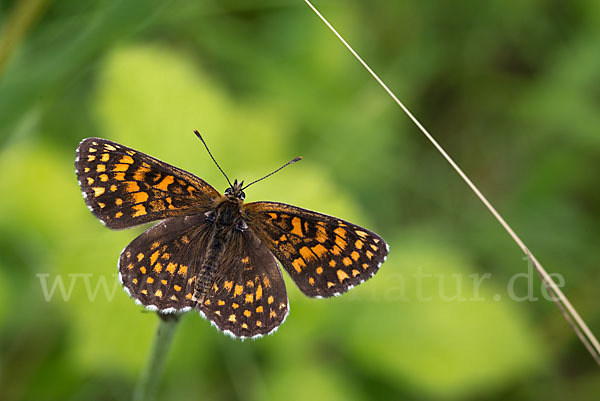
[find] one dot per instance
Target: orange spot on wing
(140, 210)
(306, 253)
(340, 242)
(340, 232)
(165, 183)
(238, 290)
(158, 267)
(132, 186)
(153, 257)
(296, 227)
(228, 285)
(321, 233)
(182, 270)
(347, 261)
(319, 270)
(140, 197)
(171, 268)
(361, 234)
(319, 250)
(342, 275)
(120, 167)
(258, 292)
(298, 264)
(126, 159)
(358, 244)
(355, 255)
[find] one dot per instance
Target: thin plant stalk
(150, 378)
(568, 311)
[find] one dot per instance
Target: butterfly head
(236, 191)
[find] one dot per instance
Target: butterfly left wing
(324, 255)
(124, 187)
(247, 297)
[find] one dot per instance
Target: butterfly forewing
(124, 187)
(160, 268)
(324, 255)
(248, 296)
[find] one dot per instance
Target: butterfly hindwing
(124, 187)
(248, 296)
(324, 255)
(160, 268)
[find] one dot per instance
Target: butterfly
(212, 252)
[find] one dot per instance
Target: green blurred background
(510, 88)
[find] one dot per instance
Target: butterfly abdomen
(225, 220)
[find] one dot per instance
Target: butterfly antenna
(211, 156)
(268, 175)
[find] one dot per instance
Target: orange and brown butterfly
(212, 251)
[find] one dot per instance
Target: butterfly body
(212, 252)
(226, 225)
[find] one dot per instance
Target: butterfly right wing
(324, 255)
(124, 187)
(248, 296)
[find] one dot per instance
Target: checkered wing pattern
(160, 268)
(124, 187)
(248, 296)
(324, 255)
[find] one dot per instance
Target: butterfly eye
(242, 195)
(210, 215)
(228, 191)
